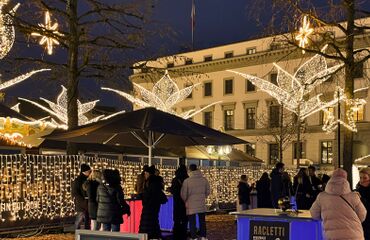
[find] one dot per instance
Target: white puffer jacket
(194, 192)
(340, 220)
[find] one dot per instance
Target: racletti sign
(268, 230)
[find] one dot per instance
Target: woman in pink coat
(340, 209)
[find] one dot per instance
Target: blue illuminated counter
(266, 223)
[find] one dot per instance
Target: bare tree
(98, 40)
(283, 129)
(339, 16)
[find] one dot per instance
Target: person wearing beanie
(363, 188)
(343, 219)
(80, 197)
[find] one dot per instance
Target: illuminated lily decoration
(58, 110)
(164, 96)
(292, 90)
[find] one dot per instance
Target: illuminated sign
(269, 230)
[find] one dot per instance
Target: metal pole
(150, 148)
(338, 130)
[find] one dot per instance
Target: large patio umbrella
(147, 127)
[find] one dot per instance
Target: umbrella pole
(150, 148)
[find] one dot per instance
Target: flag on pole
(192, 15)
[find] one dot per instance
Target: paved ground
(220, 227)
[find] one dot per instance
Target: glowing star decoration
(7, 33)
(51, 28)
(304, 32)
(353, 106)
(164, 95)
(58, 110)
(292, 91)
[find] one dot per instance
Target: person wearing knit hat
(343, 219)
(80, 197)
(363, 188)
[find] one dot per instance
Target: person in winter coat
(80, 197)
(194, 192)
(244, 191)
(153, 197)
(111, 201)
(91, 186)
(316, 183)
(263, 192)
(303, 190)
(277, 183)
(364, 189)
(180, 219)
(140, 181)
(340, 209)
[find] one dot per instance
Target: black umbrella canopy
(147, 127)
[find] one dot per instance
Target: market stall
(266, 224)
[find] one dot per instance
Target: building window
(208, 58)
(250, 149)
(273, 78)
(188, 61)
(170, 65)
(250, 118)
(359, 70)
(229, 119)
(190, 96)
(326, 114)
(359, 114)
(250, 86)
(207, 89)
(251, 51)
(273, 153)
(228, 86)
(327, 152)
(303, 152)
(229, 54)
(207, 119)
(274, 116)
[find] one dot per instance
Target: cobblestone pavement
(219, 227)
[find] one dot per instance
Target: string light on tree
(304, 31)
(353, 106)
(293, 91)
(58, 110)
(7, 33)
(48, 28)
(164, 95)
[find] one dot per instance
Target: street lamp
(220, 150)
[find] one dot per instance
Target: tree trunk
(349, 85)
(72, 85)
(298, 148)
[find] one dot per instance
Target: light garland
(48, 27)
(39, 186)
(164, 95)
(291, 90)
(304, 32)
(58, 110)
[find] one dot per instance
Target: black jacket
(79, 194)
(276, 185)
(110, 199)
(179, 209)
(263, 193)
(244, 193)
(365, 198)
(92, 190)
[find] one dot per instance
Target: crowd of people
(100, 203)
(346, 219)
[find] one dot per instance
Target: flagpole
(192, 23)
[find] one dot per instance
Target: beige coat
(194, 192)
(339, 219)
